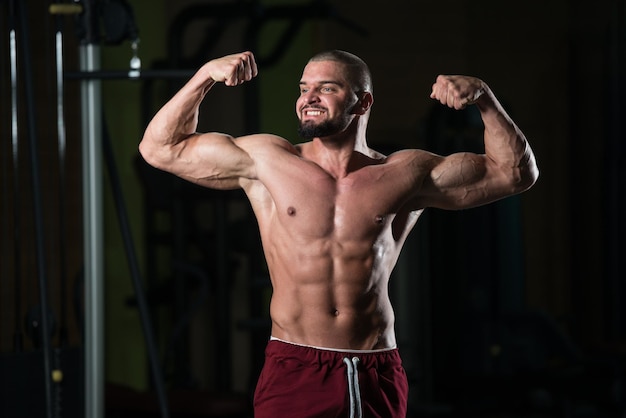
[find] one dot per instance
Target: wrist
(486, 100)
(205, 77)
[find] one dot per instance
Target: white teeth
(313, 112)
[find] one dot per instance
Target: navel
(291, 211)
(334, 312)
(379, 219)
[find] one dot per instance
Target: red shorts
(299, 381)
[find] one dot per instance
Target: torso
(331, 244)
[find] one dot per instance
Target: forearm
(505, 144)
(178, 118)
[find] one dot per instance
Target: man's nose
(310, 97)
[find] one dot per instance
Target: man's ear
(363, 104)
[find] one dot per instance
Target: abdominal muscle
(330, 298)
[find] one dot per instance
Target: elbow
(142, 149)
(527, 181)
(531, 171)
(534, 176)
(151, 151)
(146, 151)
(527, 176)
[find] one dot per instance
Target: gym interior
(127, 292)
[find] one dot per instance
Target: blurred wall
(554, 66)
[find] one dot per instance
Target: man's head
(336, 87)
(357, 70)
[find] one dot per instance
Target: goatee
(309, 130)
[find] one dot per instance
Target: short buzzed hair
(359, 73)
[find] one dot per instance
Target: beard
(309, 130)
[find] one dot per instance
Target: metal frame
(93, 233)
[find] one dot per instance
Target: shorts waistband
(338, 350)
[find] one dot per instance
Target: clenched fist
(233, 69)
(457, 91)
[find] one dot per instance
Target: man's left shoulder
(408, 155)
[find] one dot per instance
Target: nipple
(291, 211)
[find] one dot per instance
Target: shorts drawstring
(353, 386)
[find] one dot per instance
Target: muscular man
(333, 215)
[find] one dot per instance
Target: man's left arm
(465, 180)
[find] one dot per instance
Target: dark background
(513, 309)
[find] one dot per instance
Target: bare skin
(333, 214)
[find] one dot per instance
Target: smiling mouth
(312, 112)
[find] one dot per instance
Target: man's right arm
(172, 144)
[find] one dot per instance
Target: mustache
(308, 107)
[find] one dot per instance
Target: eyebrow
(320, 83)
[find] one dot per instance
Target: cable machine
(20, 57)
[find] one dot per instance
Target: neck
(339, 157)
(341, 153)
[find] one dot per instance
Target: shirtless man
(333, 215)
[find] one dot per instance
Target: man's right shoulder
(265, 143)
